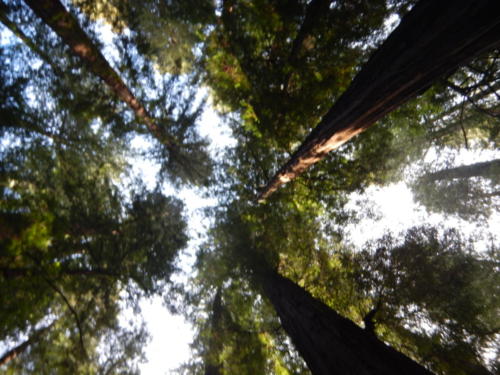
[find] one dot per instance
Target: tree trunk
(24, 38)
(18, 272)
(329, 343)
(432, 40)
(212, 358)
(484, 169)
(55, 15)
(314, 10)
(14, 352)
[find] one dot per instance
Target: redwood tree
(432, 40)
(54, 14)
(329, 343)
(481, 169)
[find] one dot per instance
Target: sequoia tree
(183, 153)
(74, 247)
(328, 342)
(442, 37)
(469, 191)
(66, 26)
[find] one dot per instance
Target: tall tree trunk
(212, 358)
(484, 169)
(26, 40)
(55, 15)
(314, 10)
(18, 272)
(432, 40)
(329, 343)
(9, 355)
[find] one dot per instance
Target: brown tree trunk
(484, 169)
(432, 40)
(329, 343)
(314, 10)
(14, 352)
(55, 15)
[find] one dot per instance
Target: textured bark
(55, 15)
(484, 169)
(329, 343)
(432, 40)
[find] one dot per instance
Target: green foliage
(71, 245)
(169, 99)
(471, 196)
(165, 32)
(264, 58)
(434, 296)
(75, 247)
(272, 94)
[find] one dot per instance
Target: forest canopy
(338, 98)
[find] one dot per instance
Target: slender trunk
(315, 9)
(484, 169)
(55, 15)
(212, 358)
(17, 272)
(329, 343)
(9, 355)
(432, 40)
(25, 39)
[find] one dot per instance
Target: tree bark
(14, 352)
(24, 38)
(18, 272)
(55, 15)
(432, 40)
(329, 343)
(484, 169)
(212, 360)
(314, 10)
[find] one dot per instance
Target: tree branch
(9, 355)
(73, 311)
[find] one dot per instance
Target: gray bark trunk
(484, 169)
(212, 360)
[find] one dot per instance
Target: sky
(170, 334)
(394, 205)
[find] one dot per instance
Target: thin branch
(73, 311)
(462, 125)
(465, 94)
